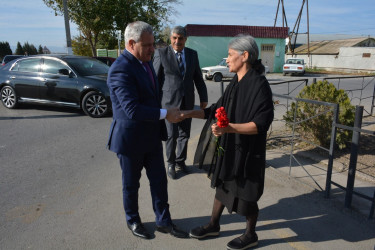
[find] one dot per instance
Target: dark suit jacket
(173, 85)
(136, 107)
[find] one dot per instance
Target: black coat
(249, 100)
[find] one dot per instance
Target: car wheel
(8, 97)
(218, 77)
(95, 105)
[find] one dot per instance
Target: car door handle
(49, 83)
(12, 77)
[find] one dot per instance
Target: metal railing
(334, 108)
(290, 89)
(357, 130)
(331, 107)
(368, 83)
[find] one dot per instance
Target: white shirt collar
(182, 51)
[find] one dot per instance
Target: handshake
(175, 115)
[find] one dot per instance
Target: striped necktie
(180, 63)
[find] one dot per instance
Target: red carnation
(222, 122)
(222, 119)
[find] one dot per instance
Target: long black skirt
(233, 203)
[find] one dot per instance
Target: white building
(348, 55)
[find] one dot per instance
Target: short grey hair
(179, 30)
(244, 43)
(134, 31)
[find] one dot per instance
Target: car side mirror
(65, 72)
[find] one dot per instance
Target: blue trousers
(132, 166)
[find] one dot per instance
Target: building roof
(234, 30)
(332, 47)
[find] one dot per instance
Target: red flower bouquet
(222, 119)
(222, 122)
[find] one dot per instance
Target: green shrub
(318, 129)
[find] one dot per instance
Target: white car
(220, 71)
(217, 72)
(294, 66)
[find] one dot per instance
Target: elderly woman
(237, 173)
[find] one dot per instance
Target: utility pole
(294, 33)
(119, 42)
(283, 20)
(308, 34)
(67, 28)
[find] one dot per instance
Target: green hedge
(319, 128)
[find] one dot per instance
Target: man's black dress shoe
(171, 172)
(182, 166)
(173, 230)
(139, 230)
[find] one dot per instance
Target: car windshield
(294, 61)
(223, 63)
(87, 66)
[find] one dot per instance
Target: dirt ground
(366, 151)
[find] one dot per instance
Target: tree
(95, 18)
(29, 49)
(108, 40)
(81, 47)
(33, 50)
(165, 35)
(40, 49)
(19, 49)
(5, 49)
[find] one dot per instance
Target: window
(27, 65)
(223, 63)
(87, 66)
(53, 66)
(268, 47)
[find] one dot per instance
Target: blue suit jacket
(136, 127)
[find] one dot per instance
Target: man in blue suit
(138, 128)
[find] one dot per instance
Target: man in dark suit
(138, 128)
(178, 70)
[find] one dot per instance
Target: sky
(33, 22)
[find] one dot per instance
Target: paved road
(61, 189)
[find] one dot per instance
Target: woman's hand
(185, 114)
(217, 131)
(198, 113)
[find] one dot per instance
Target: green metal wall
(212, 49)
